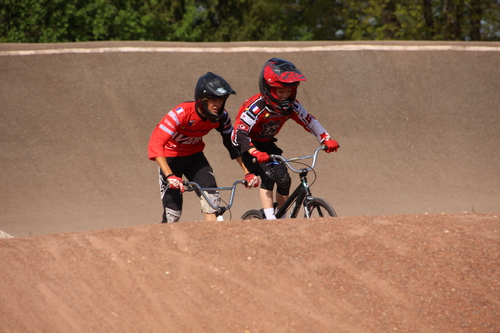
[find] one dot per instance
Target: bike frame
(302, 194)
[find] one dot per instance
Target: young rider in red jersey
(176, 144)
(261, 118)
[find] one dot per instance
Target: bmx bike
(219, 210)
(301, 196)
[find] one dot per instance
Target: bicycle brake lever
(187, 187)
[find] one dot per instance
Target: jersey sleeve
(225, 129)
(247, 117)
(309, 122)
(162, 134)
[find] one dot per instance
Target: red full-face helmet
(279, 73)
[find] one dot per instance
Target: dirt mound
(402, 273)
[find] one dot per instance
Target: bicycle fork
(307, 195)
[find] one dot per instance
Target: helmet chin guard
(211, 86)
(280, 73)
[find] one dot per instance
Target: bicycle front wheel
(320, 208)
(253, 214)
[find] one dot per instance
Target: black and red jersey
(181, 131)
(257, 122)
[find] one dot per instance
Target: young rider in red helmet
(261, 118)
(176, 144)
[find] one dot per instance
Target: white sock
(270, 213)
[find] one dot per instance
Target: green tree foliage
(43, 21)
(423, 20)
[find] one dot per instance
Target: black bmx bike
(302, 196)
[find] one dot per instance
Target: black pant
(195, 168)
(270, 173)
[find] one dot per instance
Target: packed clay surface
(415, 184)
(398, 273)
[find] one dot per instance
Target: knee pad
(267, 180)
(205, 206)
(283, 184)
(172, 215)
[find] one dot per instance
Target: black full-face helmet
(211, 86)
(280, 73)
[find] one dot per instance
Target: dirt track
(429, 273)
(418, 126)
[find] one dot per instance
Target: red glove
(331, 145)
(175, 182)
(252, 180)
(260, 156)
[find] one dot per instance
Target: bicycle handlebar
(281, 159)
(192, 186)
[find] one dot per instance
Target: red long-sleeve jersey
(257, 122)
(181, 131)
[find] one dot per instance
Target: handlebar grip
(325, 147)
(271, 159)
